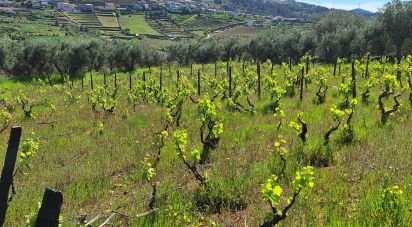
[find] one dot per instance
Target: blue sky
(371, 5)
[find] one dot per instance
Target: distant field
(157, 42)
(238, 31)
(211, 21)
(19, 26)
(137, 24)
(86, 19)
(108, 21)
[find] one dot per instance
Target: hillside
(286, 8)
(363, 12)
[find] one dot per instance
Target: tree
(207, 51)
(7, 56)
(339, 34)
(375, 37)
(78, 57)
(97, 54)
(34, 58)
(228, 49)
(151, 57)
(396, 18)
(128, 55)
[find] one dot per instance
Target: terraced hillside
(137, 25)
(209, 21)
(104, 22)
(86, 19)
(107, 19)
(161, 23)
(63, 20)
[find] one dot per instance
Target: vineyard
(162, 24)
(227, 144)
(105, 23)
(295, 126)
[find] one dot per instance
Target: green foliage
(389, 81)
(337, 114)
(99, 127)
(180, 140)
(28, 149)
(102, 98)
(5, 119)
(393, 205)
(272, 192)
(279, 147)
(71, 99)
(304, 179)
(148, 171)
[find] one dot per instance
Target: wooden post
(353, 80)
(8, 168)
(307, 65)
(290, 64)
(367, 66)
(334, 68)
(340, 67)
(302, 80)
(130, 81)
(178, 77)
(161, 78)
(115, 79)
(243, 68)
(49, 212)
(198, 82)
(191, 70)
(215, 69)
(104, 78)
(258, 74)
(91, 80)
(230, 81)
(144, 78)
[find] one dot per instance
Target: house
(86, 8)
(7, 4)
(174, 7)
(37, 4)
(109, 6)
(66, 7)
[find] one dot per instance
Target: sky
(371, 5)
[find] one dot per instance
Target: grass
(207, 21)
(137, 25)
(108, 21)
(20, 27)
(238, 31)
(100, 172)
(85, 19)
(156, 42)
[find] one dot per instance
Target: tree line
(333, 35)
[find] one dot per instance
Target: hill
(362, 12)
(287, 8)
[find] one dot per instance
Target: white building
(40, 3)
(67, 7)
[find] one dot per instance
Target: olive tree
(396, 18)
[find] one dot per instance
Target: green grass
(21, 27)
(238, 31)
(207, 21)
(100, 172)
(137, 25)
(108, 21)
